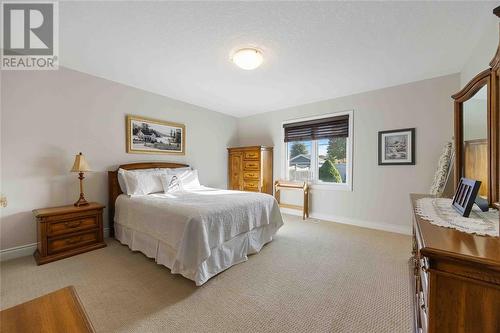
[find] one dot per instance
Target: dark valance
(317, 129)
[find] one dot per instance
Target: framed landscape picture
(151, 136)
(396, 147)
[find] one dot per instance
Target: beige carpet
(314, 277)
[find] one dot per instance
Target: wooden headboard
(114, 187)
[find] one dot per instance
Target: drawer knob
(72, 224)
(73, 240)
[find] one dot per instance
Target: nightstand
(68, 230)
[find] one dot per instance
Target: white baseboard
(346, 220)
(18, 251)
(27, 250)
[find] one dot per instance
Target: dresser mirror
(475, 139)
(477, 126)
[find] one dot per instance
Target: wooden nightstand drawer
(64, 227)
(251, 165)
(64, 243)
(251, 155)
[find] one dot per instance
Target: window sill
(326, 186)
(331, 187)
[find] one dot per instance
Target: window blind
(317, 129)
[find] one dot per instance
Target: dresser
(68, 230)
(58, 312)
(455, 279)
(250, 169)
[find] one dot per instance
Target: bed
(198, 232)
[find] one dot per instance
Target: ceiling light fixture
(248, 58)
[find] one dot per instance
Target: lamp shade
(80, 164)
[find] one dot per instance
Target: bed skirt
(231, 252)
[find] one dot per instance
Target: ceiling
(312, 50)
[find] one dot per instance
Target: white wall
(481, 53)
(49, 116)
(381, 193)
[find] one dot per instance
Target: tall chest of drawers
(455, 279)
(250, 169)
(68, 230)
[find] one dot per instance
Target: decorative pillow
(170, 183)
(189, 179)
(142, 182)
(441, 175)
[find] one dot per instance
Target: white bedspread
(194, 223)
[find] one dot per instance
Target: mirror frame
(491, 78)
(495, 122)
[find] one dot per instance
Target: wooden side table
(57, 312)
(68, 230)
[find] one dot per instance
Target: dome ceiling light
(247, 58)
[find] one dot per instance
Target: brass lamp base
(81, 201)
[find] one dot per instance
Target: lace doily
(439, 211)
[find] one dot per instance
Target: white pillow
(189, 180)
(171, 183)
(121, 181)
(178, 171)
(142, 182)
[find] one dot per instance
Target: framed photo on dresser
(396, 147)
(153, 136)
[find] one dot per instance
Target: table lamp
(80, 166)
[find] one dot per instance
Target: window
(318, 150)
(299, 160)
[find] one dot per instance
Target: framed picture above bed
(152, 136)
(396, 147)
